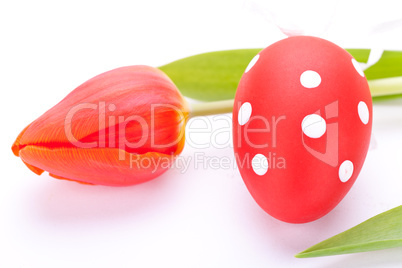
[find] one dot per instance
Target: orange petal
(83, 137)
(93, 114)
(17, 145)
(62, 178)
(104, 166)
(35, 170)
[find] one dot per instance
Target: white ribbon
(374, 57)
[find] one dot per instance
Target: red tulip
(121, 127)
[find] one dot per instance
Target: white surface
(199, 215)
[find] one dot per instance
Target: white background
(203, 217)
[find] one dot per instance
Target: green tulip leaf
(389, 65)
(215, 75)
(379, 232)
(210, 76)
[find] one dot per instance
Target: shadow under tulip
(71, 204)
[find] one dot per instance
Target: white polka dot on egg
(310, 79)
(345, 170)
(314, 126)
(259, 164)
(252, 63)
(363, 111)
(357, 67)
(244, 113)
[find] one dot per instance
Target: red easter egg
(302, 123)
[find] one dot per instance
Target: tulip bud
(122, 127)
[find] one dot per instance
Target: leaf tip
(302, 255)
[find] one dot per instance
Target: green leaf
(386, 87)
(361, 55)
(214, 76)
(390, 65)
(210, 76)
(379, 232)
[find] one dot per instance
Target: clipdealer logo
(329, 114)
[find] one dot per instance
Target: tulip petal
(105, 166)
(114, 107)
(95, 132)
(35, 170)
(62, 178)
(17, 144)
